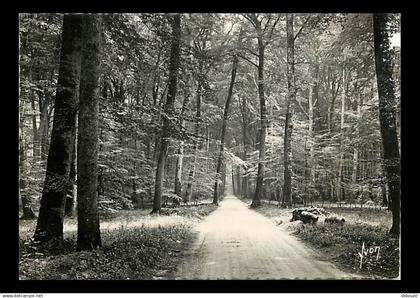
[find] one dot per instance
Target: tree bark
(44, 127)
(311, 143)
(35, 133)
(288, 125)
(178, 169)
(28, 213)
(222, 136)
(169, 111)
(72, 189)
(341, 158)
(180, 153)
(244, 113)
(88, 232)
(256, 200)
(188, 191)
(50, 220)
(387, 115)
(356, 148)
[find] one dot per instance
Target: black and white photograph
(209, 146)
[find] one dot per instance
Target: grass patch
(140, 247)
(343, 245)
(370, 216)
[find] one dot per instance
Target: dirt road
(235, 242)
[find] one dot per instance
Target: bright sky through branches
(396, 40)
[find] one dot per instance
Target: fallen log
(308, 217)
(297, 213)
(334, 220)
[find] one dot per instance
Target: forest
(145, 118)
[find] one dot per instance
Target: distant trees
(216, 193)
(387, 114)
(38, 63)
(26, 201)
(264, 33)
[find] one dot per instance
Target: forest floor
(135, 245)
(236, 242)
(342, 244)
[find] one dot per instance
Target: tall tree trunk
(288, 125)
(178, 168)
(88, 232)
(169, 110)
(188, 191)
(44, 127)
(341, 158)
(35, 133)
(256, 200)
(28, 213)
(356, 148)
(242, 107)
(216, 193)
(72, 189)
(387, 115)
(50, 220)
(311, 143)
(238, 180)
(180, 152)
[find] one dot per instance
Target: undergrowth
(342, 244)
(349, 240)
(141, 252)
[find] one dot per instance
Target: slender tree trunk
(311, 142)
(178, 168)
(180, 152)
(28, 213)
(242, 107)
(51, 214)
(238, 180)
(35, 133)
(356, 148)
(44, 128)
(288, 126)
(258, 195)
(72, 189)
(188, 191)
(88, 232)
(387, 115)
(169, 111)
(216, 193)
(341, 158)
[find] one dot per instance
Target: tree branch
(301, 28)
(245, 58)
(301, 107)
(271, 32)
(266, 24)
(250, 18)
(250, 51)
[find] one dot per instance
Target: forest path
(235, 242)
